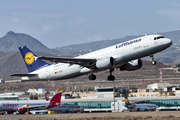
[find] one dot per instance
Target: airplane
(21, 107)
(134, 107)
(124, 56)
(65, 108)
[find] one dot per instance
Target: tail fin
(126, 100)
(31, 60)
(56, 99)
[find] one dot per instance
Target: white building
(109, 92)
(153, 87)
(37, 91)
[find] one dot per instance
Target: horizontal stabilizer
(24, 75)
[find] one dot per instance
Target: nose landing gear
(152, 59)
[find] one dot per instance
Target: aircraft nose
(168, 42)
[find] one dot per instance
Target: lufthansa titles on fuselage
(127, 43)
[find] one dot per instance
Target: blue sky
(58, 23)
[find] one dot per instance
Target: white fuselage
(129, 50)
(67, 109)
(144, 107)
(13, 106)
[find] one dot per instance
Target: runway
(96, 116)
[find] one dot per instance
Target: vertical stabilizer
(56, 99)
(126, 100)
(31, 60)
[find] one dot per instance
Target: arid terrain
(140, 78)
(168, 115)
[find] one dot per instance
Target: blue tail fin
(31, 60)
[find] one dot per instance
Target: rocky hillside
(12, 62)
(11, 41)
(170, 55)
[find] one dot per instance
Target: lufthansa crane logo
(29, 58)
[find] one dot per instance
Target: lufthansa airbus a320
(125, 56)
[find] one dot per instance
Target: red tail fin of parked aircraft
(55, 101)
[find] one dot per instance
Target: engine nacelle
(22, 110)
(119, 59)
(132, 65)
(105, 63)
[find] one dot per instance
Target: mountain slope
(170, 55)
(11, 41)
(12, 62)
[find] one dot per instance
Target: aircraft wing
(31, 107)
(24, 75)
(80, 61)
(139, 102)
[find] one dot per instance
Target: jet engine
(105, 63)
(22, 110)
(132, 65)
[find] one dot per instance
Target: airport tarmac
(96, 116)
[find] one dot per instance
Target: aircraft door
(47, 72)
(145, 42)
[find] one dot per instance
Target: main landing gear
(92, 77)
(152, 59)
(110, 77)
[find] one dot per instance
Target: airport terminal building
(108, 99)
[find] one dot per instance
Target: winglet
(59, 89)
(56, 99)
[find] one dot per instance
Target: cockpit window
(156, 38)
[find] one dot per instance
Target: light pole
(114, 93)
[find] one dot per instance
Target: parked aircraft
(65, 108)
(125, 56)
(25, 106)
(133, 107)
(68, 109)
